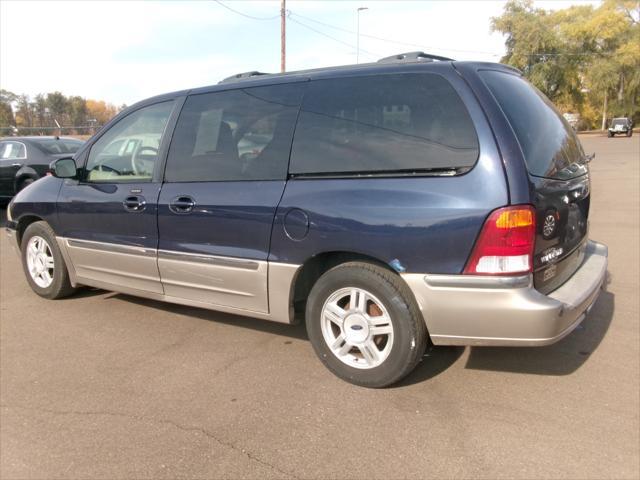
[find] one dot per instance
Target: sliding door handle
(182, 204)
(134, 203)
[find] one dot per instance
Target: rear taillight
(505, 244)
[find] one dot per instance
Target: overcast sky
(124, 51)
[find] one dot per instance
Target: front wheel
(43, 263)
(364, 324)
(629, 133)
(610, 135)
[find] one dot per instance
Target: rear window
(549, 144)
(385, 123)
(55, 146)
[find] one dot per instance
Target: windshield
(55, 146)
(549, 144)
(619, 121)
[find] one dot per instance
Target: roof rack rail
(243, 75)
(414, 57)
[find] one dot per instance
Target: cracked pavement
(108, 386)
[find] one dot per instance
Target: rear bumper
(507, 311)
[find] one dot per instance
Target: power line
(244, 14)
(437, 48)
(388, 40)
(374, 55)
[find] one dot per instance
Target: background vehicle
(621, 125)
(375, 203)
(25, 159)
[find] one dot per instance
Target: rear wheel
(364, 324)
(43, 263)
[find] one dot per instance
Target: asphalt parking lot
(103, 385)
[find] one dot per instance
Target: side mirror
(63, 168)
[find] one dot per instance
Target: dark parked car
(390, 205)
(23, 160)
(621, 125)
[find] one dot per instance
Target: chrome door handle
(16, 164)
(134, 203)
(182, 204)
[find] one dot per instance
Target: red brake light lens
(506, 242)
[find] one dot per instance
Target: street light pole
(358, 34)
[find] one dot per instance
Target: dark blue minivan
(390, 205)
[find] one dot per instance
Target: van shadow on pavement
(275, 328)
(435, 361)
(562, 358)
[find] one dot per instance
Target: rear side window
(549, 144)
(12, 150)
(384, 123)
(242, 134)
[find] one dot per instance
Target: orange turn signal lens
(515, 218)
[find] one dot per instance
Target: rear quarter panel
(418, 225)
(426, 225)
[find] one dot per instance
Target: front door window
(128, 152)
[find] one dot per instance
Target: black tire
(60, 286)
(610, 134)
(409, 330)
(629, 133)
(24, 183)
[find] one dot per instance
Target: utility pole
(604, 110)
(358, 34)
(283, 35)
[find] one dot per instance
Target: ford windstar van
(387, 205)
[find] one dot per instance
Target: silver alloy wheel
(40, 261)
(357, 328)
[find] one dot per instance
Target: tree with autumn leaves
(43, 111)
(586, 59)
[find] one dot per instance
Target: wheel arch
(24, 173)
(23, 223)
(314, 267)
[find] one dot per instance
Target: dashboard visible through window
(128, 151)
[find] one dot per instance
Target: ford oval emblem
(549, 225)
(356, 327)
